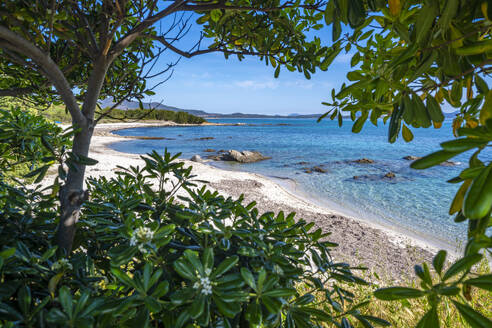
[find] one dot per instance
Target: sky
(214, 84)
(217, 85)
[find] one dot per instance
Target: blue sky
(214, 84)
(211, 83)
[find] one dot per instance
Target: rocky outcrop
(243, 156)
(196, 158)
(364, 161)
(239, 156)
(209, 150)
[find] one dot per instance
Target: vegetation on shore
(58, 113)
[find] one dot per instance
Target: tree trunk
(72, 195)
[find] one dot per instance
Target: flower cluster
(140, 237)
(61, 264)
(204, 284)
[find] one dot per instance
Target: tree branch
(137, 30)
(221, 5)
(204, 51)
(49, 68)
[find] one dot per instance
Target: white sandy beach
(388, 252)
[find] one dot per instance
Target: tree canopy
(78, 52)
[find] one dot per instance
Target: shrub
(29, 143)
(153, 249)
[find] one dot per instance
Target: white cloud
(257, 84)
(303, 84)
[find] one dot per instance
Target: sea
(414, 201)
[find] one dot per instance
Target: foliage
(29, 144)
(154, 250)
(412, 57)
(155, 114)
(406, 313)
(124, 34)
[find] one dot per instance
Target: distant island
(132, 105)
(129, 105)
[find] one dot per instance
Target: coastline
(387, 251)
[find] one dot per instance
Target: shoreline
(387, 251)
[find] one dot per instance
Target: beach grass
(407, 313)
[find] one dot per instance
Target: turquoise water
(416, 201)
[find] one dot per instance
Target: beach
(390, 253)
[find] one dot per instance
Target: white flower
(61, 264)
(204, 284)
(141, 237)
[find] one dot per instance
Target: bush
(153, 249)
(29, 143)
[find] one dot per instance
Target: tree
(77, 52)
(413, 57)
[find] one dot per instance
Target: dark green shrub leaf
(475, 319)
(462, 264)
(483, 282)
(396, 293)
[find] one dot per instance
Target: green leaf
(463, 144)
(462, 264)
(450, 10)
(438, 261)
(359, 123)
(429, 320)
(475, 319)
(395, 123)
(329, 12)
(198, 306)
(481, 85)
(123, 277)
(277, 71)
(65, 299)
(228, 309)
(434, 109)
(84, 160)
(225, 266)
(407, 134)
(396, 293)
(208, 258)
(254, 314)
(424, 22)
(433, 159)
(184, 269)
(192, 257)
(478, 199)
(215, 15)
(24, 299)
(53, 283)
(483, 282)
(248, 277)
(280, 292)
(486, 111)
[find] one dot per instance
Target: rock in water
(319, 169)
(244, 156)
(196, 158)
(364, 161)
(389, 175)
(411, 158)
(209, 150)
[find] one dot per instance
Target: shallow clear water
(417, 201)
